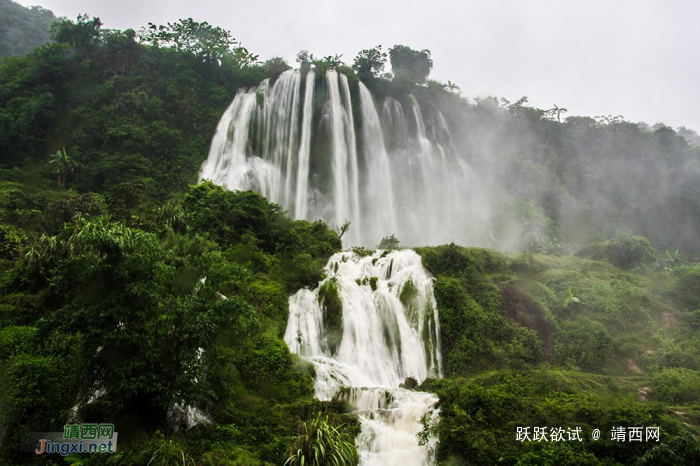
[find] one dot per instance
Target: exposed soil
(644, 393)
(518, 307)
(632, 368)
(669, 320)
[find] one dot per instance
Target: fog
(433, 168)
(630, 58)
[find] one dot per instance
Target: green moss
(408, 295)
(454, 260)
(373, 283)
(362, 252)
(332, 306)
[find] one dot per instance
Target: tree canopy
(369, 63)
(410, 65)
(210, 43)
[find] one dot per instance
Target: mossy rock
(373, 283)
(409, 298)
(332, 306)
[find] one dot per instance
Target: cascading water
(367, 327)
(318, 147)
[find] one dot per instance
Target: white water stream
(390, 331)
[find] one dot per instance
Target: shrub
(584, 343)
(624, 251)
(677, 385)
(11, 240)
(686, 284)
(389, 242)
(319, 443)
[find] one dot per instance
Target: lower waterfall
(371, 324)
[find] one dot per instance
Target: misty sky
(595, 57)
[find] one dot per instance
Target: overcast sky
(595, 57)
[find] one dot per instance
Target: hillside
(136, 295)
(23, 29)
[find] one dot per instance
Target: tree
(83, 35)
(410, 65)
(211, 43)
(342, 229)
(332, 62)
(243, 57)
(304, 57)
(144, 317)
(276, 66)
(680, 449)
(230, 216)
(389, 242)
(452, 87)
(369, 63)
(63, 164)
(555, 111)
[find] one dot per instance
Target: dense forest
(23, 29)
(133, 295)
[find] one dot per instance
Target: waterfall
(320, 147)
(302, 188)
(387, 330)
(344, 158)
(380, 191)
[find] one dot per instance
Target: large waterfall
(371, 324)
(322, 148)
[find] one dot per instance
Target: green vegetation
(23, 29)
(319, 443)
(687, 285)
(369, 63)
(480, 416)
(389, 242)
(332, 306)
(122, 323)
(559, 341)
(624, 251)
(410, 65)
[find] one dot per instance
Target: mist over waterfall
(367, 327)
(323, 148)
